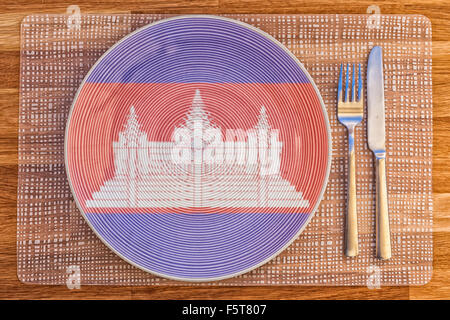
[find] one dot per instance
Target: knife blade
(375, 102)
(377, 143)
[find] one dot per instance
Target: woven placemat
(53, 239)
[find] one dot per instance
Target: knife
(376, 141)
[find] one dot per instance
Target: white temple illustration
(200, 168)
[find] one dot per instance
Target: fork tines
(348, 107)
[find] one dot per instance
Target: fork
(350, 113)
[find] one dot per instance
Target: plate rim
(324, 111)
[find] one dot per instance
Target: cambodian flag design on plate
(198, 148)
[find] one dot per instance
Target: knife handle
(351, 223)
(382, 212)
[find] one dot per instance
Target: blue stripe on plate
(197, 246)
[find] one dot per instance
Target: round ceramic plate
(198, 148)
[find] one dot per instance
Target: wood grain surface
(11, 15)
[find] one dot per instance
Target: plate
(197, 148)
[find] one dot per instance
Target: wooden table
(13, 11)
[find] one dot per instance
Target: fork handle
(382, 212)
(351, 224)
